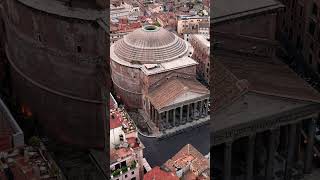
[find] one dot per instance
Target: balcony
(124, 169)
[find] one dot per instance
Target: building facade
(298, 27)
(201, 45)
(19, 161)
(152, 70)
(58, 63)
(126, 150)
(190, 24)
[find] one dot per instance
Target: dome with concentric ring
(150, 45)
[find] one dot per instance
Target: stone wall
(127, 84)
(254, 34)
(55, 73)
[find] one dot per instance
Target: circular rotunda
(149, 46)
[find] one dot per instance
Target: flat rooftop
(230, 9)
(85, 10)
(203, 39)
(185, 61)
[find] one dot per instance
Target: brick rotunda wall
(55, 73)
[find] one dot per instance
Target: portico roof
(235, 75)
(175, 91)
(253, 94)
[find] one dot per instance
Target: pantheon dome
(147, 51)
(150, 44)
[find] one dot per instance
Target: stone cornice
(263, 124)
(201, 98)
(247, 14)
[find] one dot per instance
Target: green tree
(34, 141)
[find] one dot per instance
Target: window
(314, 9)
(123, 164)
(312, 27)
(39, 38)
(290, 34)
(311, 46)
(133, 178)
(132, 172)
(301, 11)
(310, 58)
(79, 49)
(125, 176)
(298, 45)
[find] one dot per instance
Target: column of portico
(161, 119)
(227, 160)
(309, 148)
(151, 113)
(271, 153)
(194, 110)
(157, 121)
(298, 144)
(207, 107)
(154, 115)
(291, 150)
(181, 112)
(174, 118)
(201, 108)
(188, 107)
(167, 118)
(250, 156)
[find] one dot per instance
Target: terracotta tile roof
(115, 120)
(236, 74)
(5, 128)
(158, 174)
(226, 86)
(167, 92)
(5, 134)
(5, 142)
(120, 153)
(188, 155)
(133, 142)
(271, 77)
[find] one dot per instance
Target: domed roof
(150, 44)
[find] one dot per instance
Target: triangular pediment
(186, 96)
(253, 106)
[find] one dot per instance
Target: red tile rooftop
(32, 166)
(120, 153)
(188, 155)
(5, 142)
(5, 134)
(118, 118)
(133, 142)
(158, 174)
(115, 119)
